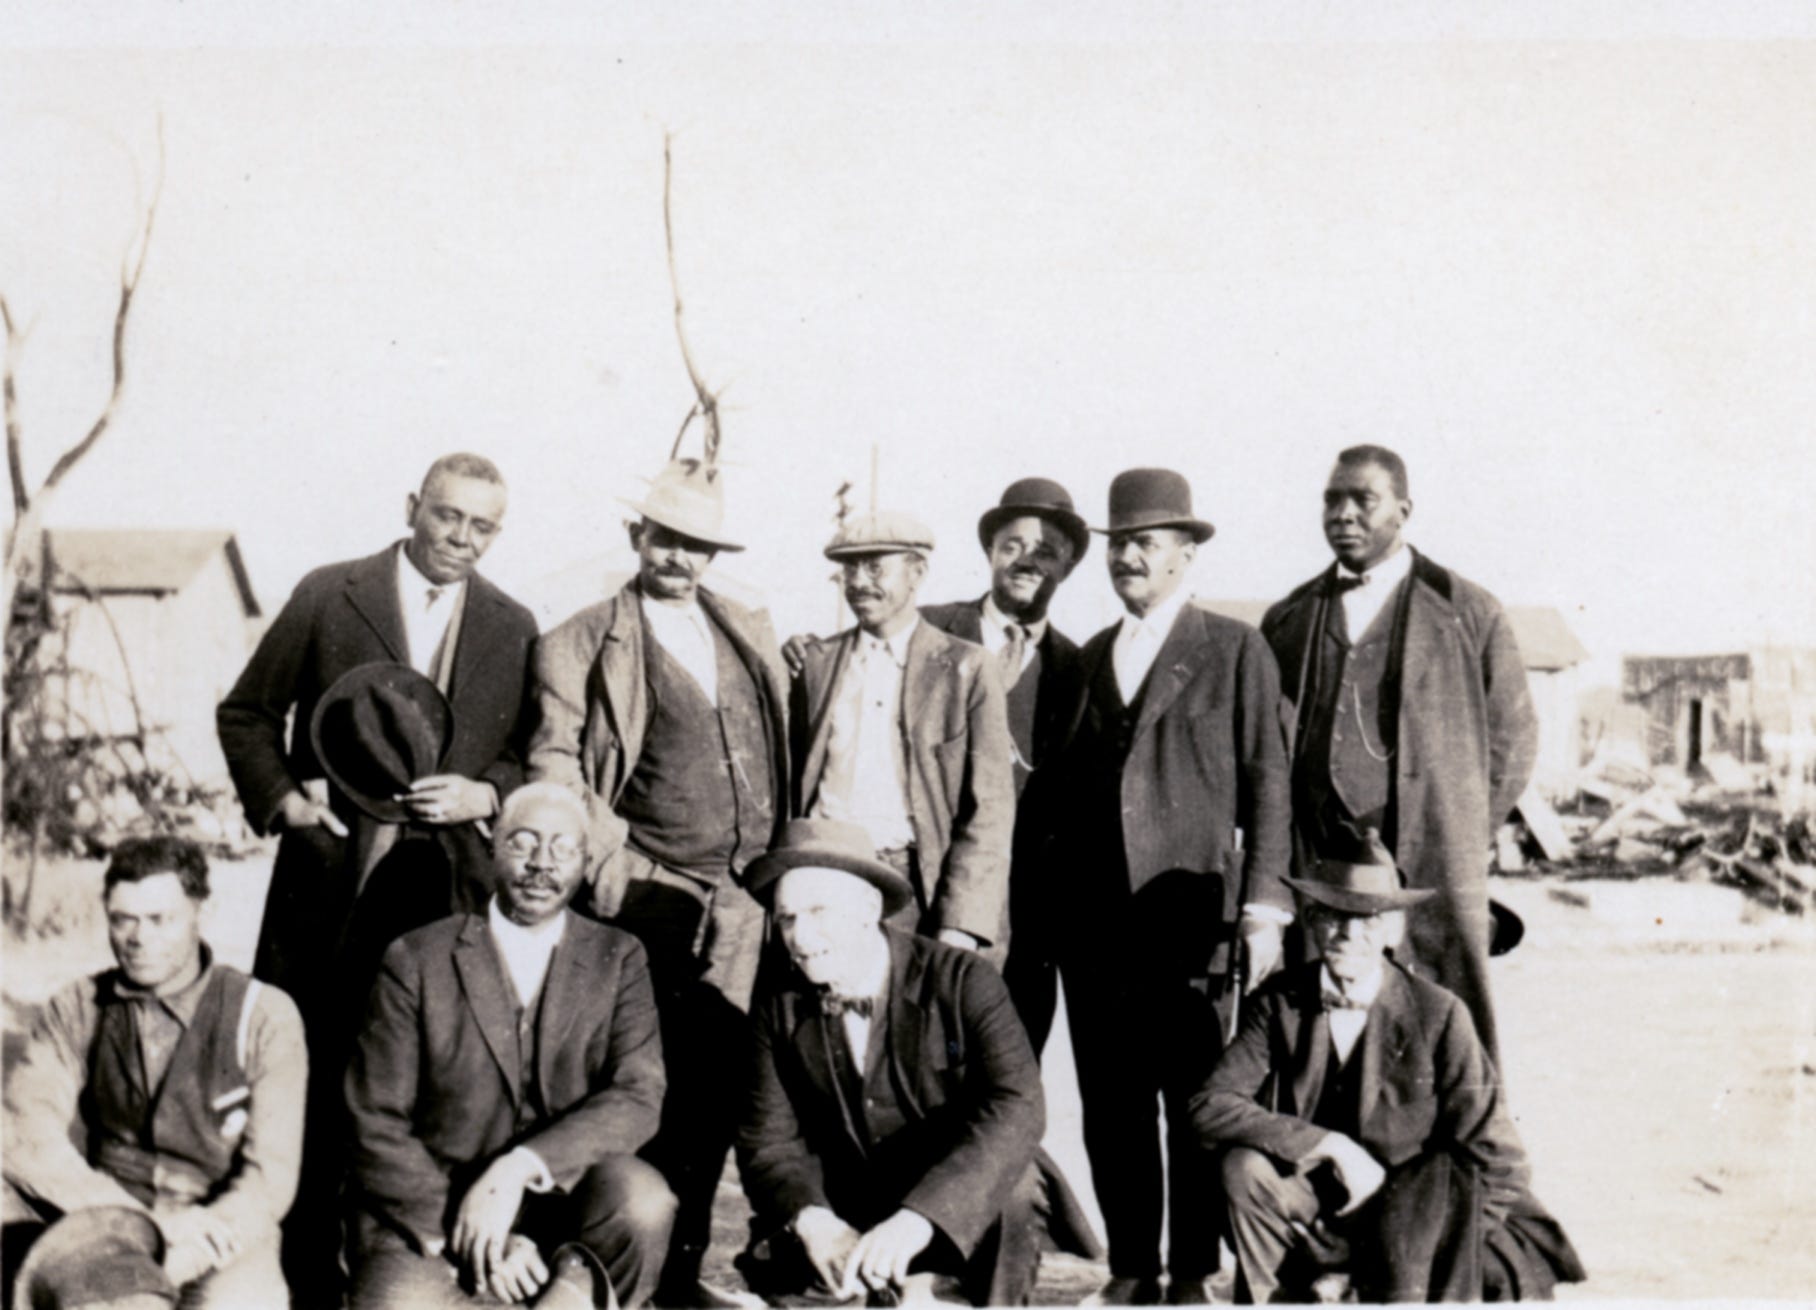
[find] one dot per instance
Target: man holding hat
(902, 729)
(1362, 1125)
(1033, 539)
(404, 857)
(1412, 716)
(1173, 784)
(894, 1112)
(185, 1081)
(664, 708)
(508, 1070)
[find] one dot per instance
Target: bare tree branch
(706, 407)
(15, 457)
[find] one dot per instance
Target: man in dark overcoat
(509, 1069)
(664, 708)
(1361, 1125)
(1175, 837)
(1033, 539)
(1412, 717)
(894, 1110)
(343, 878)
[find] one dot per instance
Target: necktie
(832, 1005)
(1332, 1000)
(1345, 582)
(435, 594)
(1010, 656)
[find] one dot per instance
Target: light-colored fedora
(688, 497)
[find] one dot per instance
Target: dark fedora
(1043, 498)
(103, 1255)
(1153, 498)
(1363, 880)
(376, 730)
(827, 844)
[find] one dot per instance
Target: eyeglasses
(523, 843)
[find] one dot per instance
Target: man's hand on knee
(828, 1241)
(882, 1255)
(482, 1225)
(1360, 1173)
(520, 1273)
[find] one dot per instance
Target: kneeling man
(888, 1145)
(1362, 1123)
(508, 1072)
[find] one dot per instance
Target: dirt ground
(1661, 1065)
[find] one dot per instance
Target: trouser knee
(1251, 1179)
(630, 1196)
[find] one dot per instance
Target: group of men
(565, 919)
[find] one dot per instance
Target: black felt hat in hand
(380, 727)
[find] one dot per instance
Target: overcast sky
(1571, 281)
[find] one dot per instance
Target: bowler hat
(95, 1257)
(885, 532)
(1153, 498)
(376, 730)
(1362, 881)
(687, 497)
(827, 844)
(1043, 498)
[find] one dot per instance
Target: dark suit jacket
(1207, 758)
(339, 617)
(1468, 738)
(434, 1086)
(961, 786)
(953, 1100)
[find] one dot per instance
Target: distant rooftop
(153, 561)
(1546, 641)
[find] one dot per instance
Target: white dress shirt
(995, 633)
(1363, 603)
(427, 608)
(1138, 642)
(857, 1026)
(866, 775)
(1346, 1025)
(526, 952)
(686, 633)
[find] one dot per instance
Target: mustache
(1128, 571)
(535, 882)
(862, 593)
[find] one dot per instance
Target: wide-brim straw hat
(377, 729)
(827, 844)
(688, 497)
(1043, 498)
(1153, 498)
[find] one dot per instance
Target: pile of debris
(1623, 821)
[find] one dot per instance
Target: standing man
(1174, 784)
(186, 1079)
(418, 602)
(894, 1109)
(1033, 539)
(664, 708)
(508, 1070)
(1412, 717)
(901, 729)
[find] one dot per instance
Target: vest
(178, 1140)
(702, 797)
(1339, 1106)
(1102, 749)
(531, 1107)
(1024, 697)
(1349, 745)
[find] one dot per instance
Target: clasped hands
(196, 1242)
(501, 1262)
(849, 1262)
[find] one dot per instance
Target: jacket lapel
(621, 672)
(565, 993)
(1311, 1044)
(969, 622)
(1384, 1040)
(472, 643)
(1180, 657)
(820, 674)
(488, 996)
(925, 669)
(907, 1021)
(372, 592)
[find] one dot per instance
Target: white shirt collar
(1159, 620)
(1363, 993)
(662, 614)
(1385, 574)
(898, 644)
(414, 586)
(513, 936)
(995, 621)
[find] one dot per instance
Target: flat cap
(886, 532)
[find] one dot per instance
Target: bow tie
(1347, 582)
(832, 1005)
(1329, 1000)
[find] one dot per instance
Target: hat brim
(674, 524)
(766, 871)
(86, 1240)
(1073, 525)
(877, 548)
(1200, 530)
(1352, 902)
(1506, 929)
(356, 682)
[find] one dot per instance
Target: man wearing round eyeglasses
(509, 1069)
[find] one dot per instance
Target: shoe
(702, 1295)
(1189, 1291)
(1126, 1291)
(577, 1281)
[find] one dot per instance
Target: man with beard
(664, 709)
(1033, 539)
(901, 729)
(1413, 717)
(1173, 784)
(509, 1069)
(344, 883)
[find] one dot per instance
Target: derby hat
(1043, 498)
(104, 1255)
(376, 730)
(1362, 881)
(1153, 498)
(687, 497)
(885, 532)
(827, 844)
